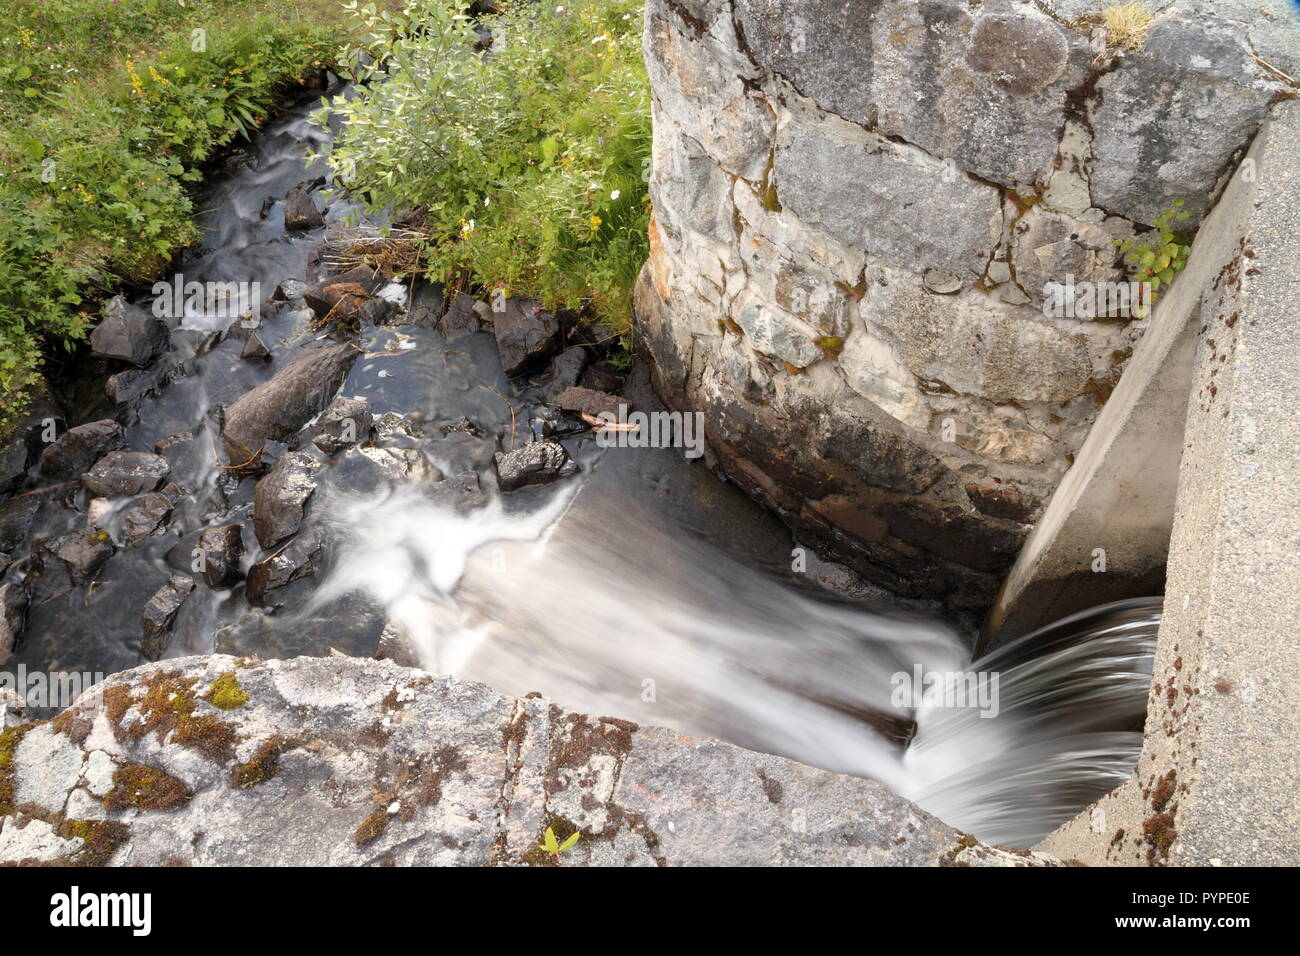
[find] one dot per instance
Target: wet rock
(125, 387)
(150, 514)
(461, 319)
(160, 613)
(533, 464)
(550, 422)
(465, 426)
(277, 409)
(219, 552)
(565, 371)
(527, 335)
(13, 613)
(13, 463)
(126, 473)
(396, 430)
(345, 422)
(300, 211)
(16, 517)
(601, 377)
(129, 333)
(363, 469)
(396, 646)
(69, 560)
(294, 560)
(281, 498)
(77, 449)
(584, 400)
(254, 348)
(460, 491)
(342, 294)
(41, 423)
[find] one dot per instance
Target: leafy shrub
(529, 162)
(1160, 258)
(93, 181)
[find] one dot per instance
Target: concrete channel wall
(1216, 781)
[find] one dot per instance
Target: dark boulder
(527, 335)
(345, 422)
(281, 498)
(461, 318)
(276, 409)
(160, 614)
(533, 464)
(69, 560)
(126, 473)
(16, 518)
(129, 333)
(77, 449)
(586, 402)
(13, 613)
(254, 348)
(460, 491)
(294, 560)
(219, 552)
(602, 377)
(343, 293)
(564, 372)
(300, 211)
(149, 514)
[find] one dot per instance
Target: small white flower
(600, 39)
(487, 200)
(395, 807)
(615, 194)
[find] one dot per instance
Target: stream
(642, 587)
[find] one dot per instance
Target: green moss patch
(138, 787)
(226, 694)
(263, 765)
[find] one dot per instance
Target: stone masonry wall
(859, 208)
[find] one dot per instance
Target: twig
(1269, 66)
(512, 413)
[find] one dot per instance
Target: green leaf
(573, 838)
(549, 842)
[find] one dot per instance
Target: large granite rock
(337, 762)
(276, 409)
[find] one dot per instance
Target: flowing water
(643, 588)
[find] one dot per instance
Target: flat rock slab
(344, 761)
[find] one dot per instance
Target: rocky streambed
(307, 456)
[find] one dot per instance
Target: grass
(111, 109)
(1126, 26)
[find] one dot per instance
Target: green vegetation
(1161, 258)
(226, 694)
(528, 163)
(554, 847)
(109, 109)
